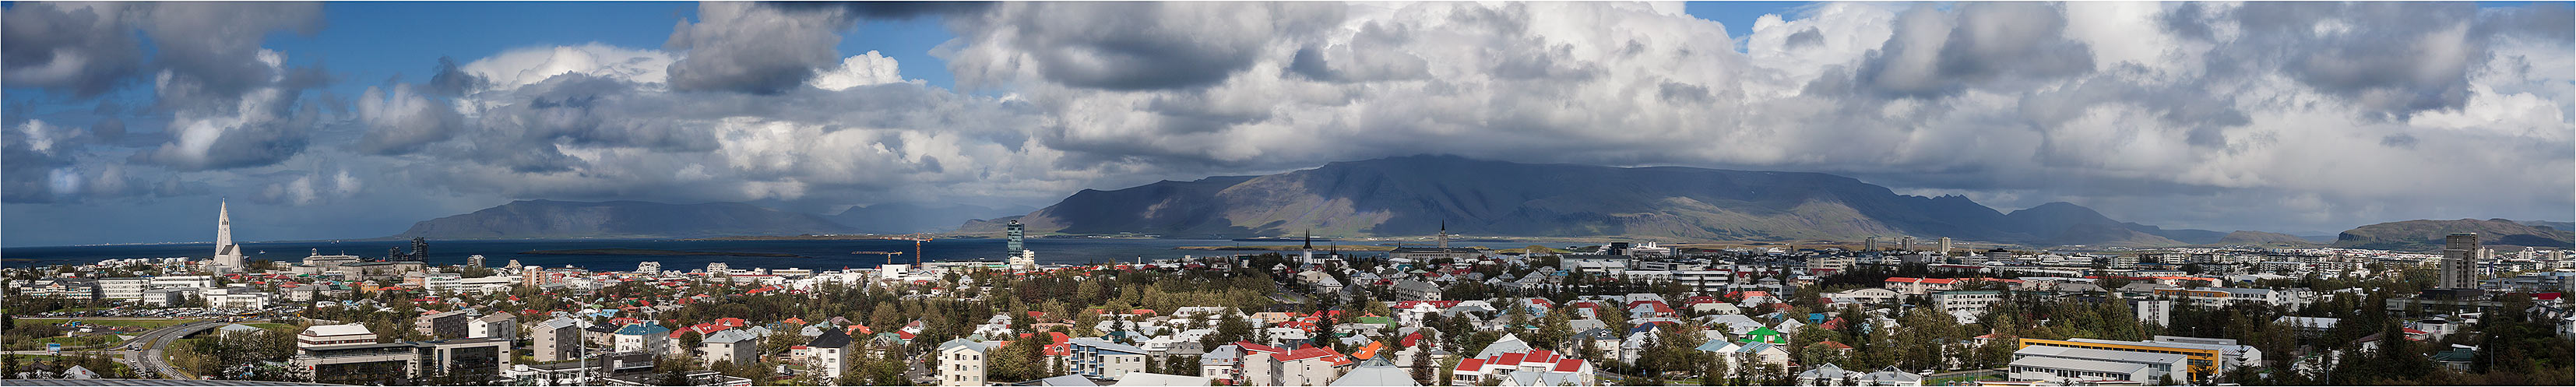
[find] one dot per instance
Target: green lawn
(146, 324)
(270, 326)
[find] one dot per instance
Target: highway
(144, 353)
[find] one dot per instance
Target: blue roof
(644, 329)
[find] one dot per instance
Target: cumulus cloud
(860, 70)
(2273, 116)
(403, 122)
(83, 48)
(749, 47)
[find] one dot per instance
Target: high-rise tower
(1014, 231)
(2460, 256)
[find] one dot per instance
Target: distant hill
(901, 218)
(1417, 195)
(2259, 238)
(2562, 226)
(558, 219)
(2426, 235)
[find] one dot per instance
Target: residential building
(557, 339)
(646, 337)
(499, 325)
(1101, 359)
(1309, 366)
(730, 345)
(961, 363)
(1530, 368)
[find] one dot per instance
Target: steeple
(1310, 240)
(223, 226)
(1444, 236)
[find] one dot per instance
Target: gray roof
(961, 343)
(1153, 379)
(1067, 380)
(1376, 372)
(2099, 354)
(729, 336)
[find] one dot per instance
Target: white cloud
(859, 70)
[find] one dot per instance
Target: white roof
(2081, 365)
(337, 330)
(1151, 379)
(2099, 354)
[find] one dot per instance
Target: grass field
(145, 324)
(269, 326)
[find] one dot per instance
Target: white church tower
(228, 256)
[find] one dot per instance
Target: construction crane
(889, 255)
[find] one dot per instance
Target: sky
(128, 122)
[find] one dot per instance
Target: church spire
(1310, 239)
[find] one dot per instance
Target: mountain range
(1422, 195)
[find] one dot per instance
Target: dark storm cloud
(746, 47)
(447, 80)
(1140, 45)
(889, 9)
(211, 50)
(1936, 53)
(82, 48)
(2397, 59)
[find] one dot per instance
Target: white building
(961, 363)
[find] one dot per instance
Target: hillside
(2426, 235)
(558, 219)
(2259, 238)
(1417, 195)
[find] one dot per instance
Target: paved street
(144, 353)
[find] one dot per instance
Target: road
(144, 354)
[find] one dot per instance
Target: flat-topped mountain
(1418, 195)
(2426, 235)
(559, 219)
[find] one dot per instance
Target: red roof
(1471, 364)
(1568, 365)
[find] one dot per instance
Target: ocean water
(820, 255)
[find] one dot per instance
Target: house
(961, 363)
(1306, 366)
(1101, 359)
(730, 345)
(1223, 364)
(1827, 375)
(1527, 368)
(1888, 377)
(1376, 372)
(1416, 290)
(646, 337)
(826, 352)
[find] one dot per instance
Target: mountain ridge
(1421, 195)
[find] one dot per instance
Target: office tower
(1014, 231)
(1945, 245)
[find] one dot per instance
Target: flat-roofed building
(2078, 372)
(2165, 365)
(330, 335)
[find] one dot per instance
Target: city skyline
(125, 122)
